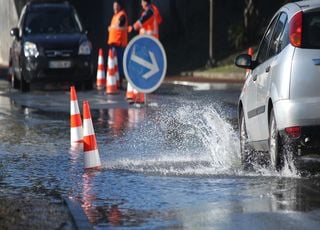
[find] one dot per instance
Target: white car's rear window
(311, 30)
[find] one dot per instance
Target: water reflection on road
(172, 165)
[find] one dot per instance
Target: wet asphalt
(173, 164)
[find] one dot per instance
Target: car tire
(246, 150)
(24, 86)
(275, 150)
(88, 85)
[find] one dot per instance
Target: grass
(227, 65)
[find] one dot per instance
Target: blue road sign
(145, 63)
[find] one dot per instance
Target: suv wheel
(245, 149)
(24, 86)
(87, 85)
(275, 151)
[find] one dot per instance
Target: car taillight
(295, 29)
(293, 132)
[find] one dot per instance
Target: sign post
(145, 63)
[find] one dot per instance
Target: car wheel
(275, 152)
(87, 85)
(24, 86)
(245, 150)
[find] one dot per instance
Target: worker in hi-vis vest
(149, 21)
(118, 34)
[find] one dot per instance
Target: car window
(51, 21)
(263, 49)
(275, 44)
(311, 30)
(285, 37)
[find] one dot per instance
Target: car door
(257, 85)
(264, 79)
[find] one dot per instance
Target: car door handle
(254, 78)
(268, 69)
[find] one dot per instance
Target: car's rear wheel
(275, 150)
(245, 150)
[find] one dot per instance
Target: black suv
(50, 44)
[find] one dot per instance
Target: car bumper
(54, 69)
(305, 149)
(303, 112)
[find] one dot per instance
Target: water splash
(189, 140)
(196, 139)
(289, 169)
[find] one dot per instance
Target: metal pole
(210, 29)
(210, 62)
(145, 100)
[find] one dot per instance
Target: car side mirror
(14, 32)
(244, 61)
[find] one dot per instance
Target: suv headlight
(30, 49)
(85, 48)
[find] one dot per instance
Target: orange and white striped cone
(76, 134)
(111, 85)
(91, 153)
(130, 93)
(249, 53)
(101, 76)
(138, 97)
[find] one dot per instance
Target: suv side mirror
(244, 61)
(14, 32)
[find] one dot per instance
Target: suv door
(255, 109)
(266, 72)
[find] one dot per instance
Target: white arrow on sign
(153, 66)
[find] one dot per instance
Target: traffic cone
(75, 118)
(111, 85)
(129, 94)
(101, 76)
(91, 153)
(138, 97)
(249, 53)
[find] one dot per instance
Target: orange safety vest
(118, 35)
(151, 26)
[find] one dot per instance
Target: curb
(78, 216)
(228, 76)
(200, 79)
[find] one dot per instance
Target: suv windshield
(52, 21)
(311, 30)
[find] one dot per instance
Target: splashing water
(193, 140)
(189, 140)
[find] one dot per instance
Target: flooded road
(174, 164)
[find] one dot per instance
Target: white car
(279, 107)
